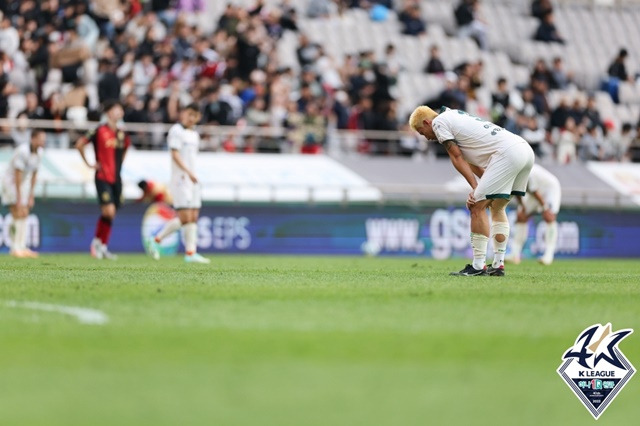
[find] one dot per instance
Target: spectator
(591, 145)
(21, 134)
(470, 23)
(412, 22)
(55, 110)
(591, 116)
(559, 115)
(633, 153)
(216, 110)
(144, 71)
(33, 110)
(621, 144)
(307, 52)
(560, 79)
(547, 31)
(319, 8)
(434, 65)
(541, 72)
(534, 134)
(617, 73)
(567, 142)
(9, 37)
(108, 81)
(618, 69)
(540, 8)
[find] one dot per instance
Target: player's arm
(177, 158)
(18, 179)
(464, 168)
(538, 197)
(32, 198)
(478, 171)
(80, 145)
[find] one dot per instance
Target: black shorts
(109, 193)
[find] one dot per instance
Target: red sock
(103, 229)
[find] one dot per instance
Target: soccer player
(154, 192)
(110, 144)
(502, 162)
(543, 196)
(183, 141)
(17, 189)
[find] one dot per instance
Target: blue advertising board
(66, 226)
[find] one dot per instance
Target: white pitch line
(83, 315)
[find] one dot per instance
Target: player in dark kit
(110, 146)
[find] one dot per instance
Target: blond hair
(419, 115)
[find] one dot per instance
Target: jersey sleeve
(174, 140)
(20, 160)
(442, 130)
(91, 136)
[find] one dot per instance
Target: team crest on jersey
(595, 369)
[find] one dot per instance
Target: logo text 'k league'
(594, 367)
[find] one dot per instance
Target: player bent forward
(543, 196)
(17, 189)
(501, 160)
(184, 142)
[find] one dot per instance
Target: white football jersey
(542, 180)
(477, 139)
(187, 143)
(25, 160)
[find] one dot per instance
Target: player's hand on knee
(193, 178)
(471, 200)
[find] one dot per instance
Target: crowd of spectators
(69, 56)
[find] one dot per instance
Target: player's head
(190, 115)
(143, 185)
(421, 119)
(38, 138)
(113, 110)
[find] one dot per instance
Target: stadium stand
(346, 90)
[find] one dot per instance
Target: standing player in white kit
(184, 142)
(501, 160)
(18, 184)
(543, 196)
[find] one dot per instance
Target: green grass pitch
(279, 340)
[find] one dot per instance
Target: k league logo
(594, 367)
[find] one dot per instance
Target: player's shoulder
(176, 128)
(22, 150)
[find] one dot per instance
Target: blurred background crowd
(61, 59)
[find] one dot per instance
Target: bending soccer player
(17, 189)
(184, 142)
(110, 145)
(543, 196)
(501, 160)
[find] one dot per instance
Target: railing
(338, 143)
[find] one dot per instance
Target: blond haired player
(184, 143)
(543, 196)
(18, 183)
(500, 159)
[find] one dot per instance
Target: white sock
(479, 245)
(169, 228)
(499, 248)
(190, 236)
(20, 236)
(550, 239)
(520, 239)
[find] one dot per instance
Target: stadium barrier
(428, 230)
